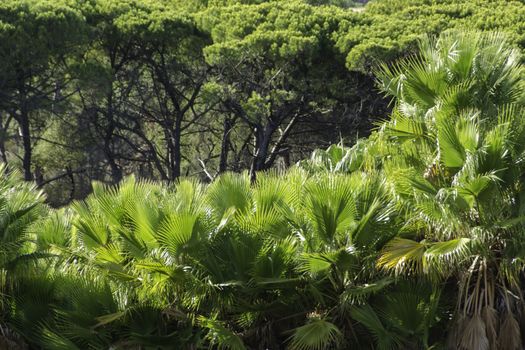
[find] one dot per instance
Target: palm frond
(315, 335)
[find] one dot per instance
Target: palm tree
(327, 227)
(455, 146)
(91, 295)
(251, 266)
(21, 205)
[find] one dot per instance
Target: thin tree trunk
(176, 156)
(3, 133)
(116, 172)
(280, 141)
(26, 142)
(24, 127)
(73, 185)
(223, 161)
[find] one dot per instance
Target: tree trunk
(263, 138)
(24, 127)
(176, 156)
(116, 172)
(25, 132)
(223, 161)
(3, 134)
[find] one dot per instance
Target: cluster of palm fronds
(411, 239)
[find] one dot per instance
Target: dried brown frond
(489, 316)
(454, 336)
(509, 333)
(474, 335)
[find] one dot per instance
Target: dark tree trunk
(172, 133)
(73, 185)
(263, 137)
(116, 172)
(3, 134)
(223, 161)
(177, 131)
(25, 132)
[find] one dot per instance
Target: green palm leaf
(403, 256)
(221, 336)
(315, 335)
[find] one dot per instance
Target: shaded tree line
(96, 90)
(99, 89)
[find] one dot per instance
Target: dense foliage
(410, 239)
(173, 134)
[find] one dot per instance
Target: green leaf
(448, 253)
(221, 336)
(315, 335)
(403, 256)
(384, 338)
